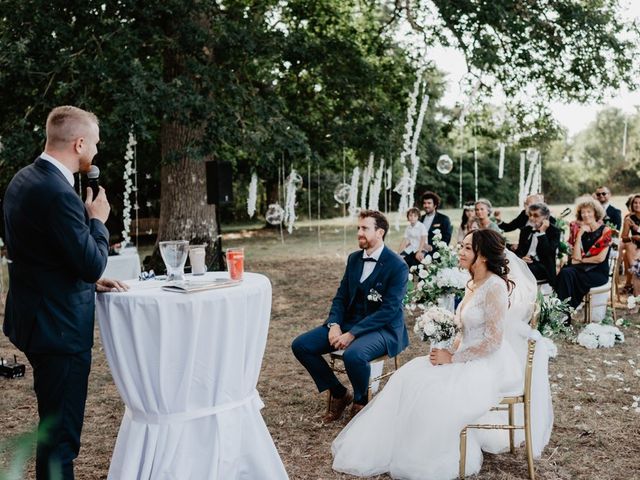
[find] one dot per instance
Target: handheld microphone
(92, 176)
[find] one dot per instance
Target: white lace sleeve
(494, 312)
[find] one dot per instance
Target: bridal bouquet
(436, 276)
(437, 326)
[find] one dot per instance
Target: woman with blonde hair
(589, 259)
(483, 210)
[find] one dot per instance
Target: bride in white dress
(411, 430)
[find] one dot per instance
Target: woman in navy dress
(589, 265)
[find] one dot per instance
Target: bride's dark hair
(491, 246)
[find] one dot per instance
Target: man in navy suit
(366, 318)
(433, 220)
(57, 249)
(612, 215)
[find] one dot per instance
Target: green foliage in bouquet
(436, 276)
(553, 313)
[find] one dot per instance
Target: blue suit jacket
(389, 279)
(57, 253)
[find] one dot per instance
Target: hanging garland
(501, 148)
(129, 187)
(253, 195)
(294, 181)
(376, 187)
(353, 192)
(367, 173)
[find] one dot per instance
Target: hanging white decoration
(353, 192)
(624, 139)
(539, 189)
(129, 187)
(290, 199)
(403, 188)
(411, 111)
(475, 170)
(530, 186)
(367, 173)
(407, 182)
(275, 214)
(253, 195)
(521, 194)
(501, 147)
(376, 186)
(388, 183)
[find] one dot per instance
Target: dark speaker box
(219, 183)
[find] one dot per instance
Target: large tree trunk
(184, 212)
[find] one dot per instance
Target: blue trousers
(309, 348)
(60, 383)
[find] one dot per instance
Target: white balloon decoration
(342, 193)
(445, 164)
(275, 214)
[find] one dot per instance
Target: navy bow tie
(369, 259)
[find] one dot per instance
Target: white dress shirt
(534, 245)
(413, 234)
(428, 220)
(369, 266)
(65, 171)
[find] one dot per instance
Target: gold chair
(611, 287)
(508, 404)
(337, 356)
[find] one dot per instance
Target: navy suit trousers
(60, 382)
(309, 348)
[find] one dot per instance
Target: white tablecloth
(186, 366)
(125, 266)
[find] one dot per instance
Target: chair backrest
(531, 350)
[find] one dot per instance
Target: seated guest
(521, 220)
(631, 238)
(468, 215)
(483, 210)
(539, 242)
(415, 238)
(589, 260)
(434, 220)
(612, 215)
(366, 319)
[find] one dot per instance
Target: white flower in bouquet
(632, 302)
(436, 255)
(604, 336)
(427, 260)
(588, 340)
(423, 273)
(436, 325)
(441, 245)
(452, 278)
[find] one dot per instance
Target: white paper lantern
(445, 164)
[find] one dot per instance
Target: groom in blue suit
(366, 318)
(57, 249)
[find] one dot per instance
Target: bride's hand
(439, 356)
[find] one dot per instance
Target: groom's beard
(363, 243)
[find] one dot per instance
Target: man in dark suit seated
(58, 249)
(366, 319)
(521, 220)
(434, 220)
(538, 243)
(612, 215)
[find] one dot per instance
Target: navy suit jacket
(57, 254)
(389, 279)
(440, 222)
(614, 216)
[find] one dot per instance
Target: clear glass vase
(174, 254)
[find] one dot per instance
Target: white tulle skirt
(412, 428)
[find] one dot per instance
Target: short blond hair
(66, 123)
(587, 201)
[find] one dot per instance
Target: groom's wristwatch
(329, 325)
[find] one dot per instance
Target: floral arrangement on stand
(436, 277)
(553, 316)
(596, 335)
(437, 326)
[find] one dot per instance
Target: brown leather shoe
(338, 406)
(355, 409)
